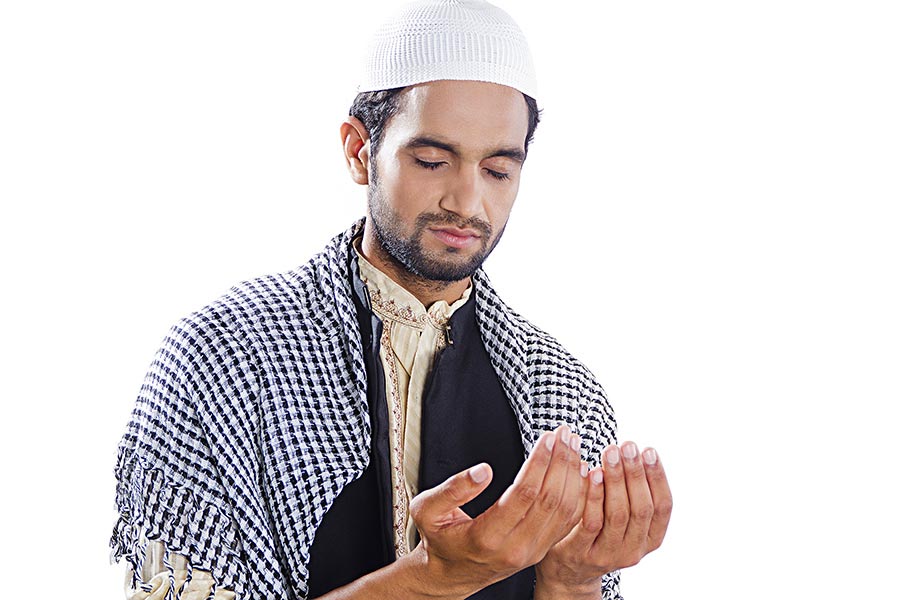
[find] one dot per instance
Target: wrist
(432, 577)
(548, 587)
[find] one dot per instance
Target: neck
(426, 291)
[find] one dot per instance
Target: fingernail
(564, 435)
(478, 473)
(584, 469)
(549, 441)
(612, 456)
(597, 477)
(629, 451)
(650, 456)
(575, 443)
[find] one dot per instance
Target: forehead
(472, 114)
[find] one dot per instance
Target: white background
(707, 219)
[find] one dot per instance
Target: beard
(408, 252)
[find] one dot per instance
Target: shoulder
(542, 355)
(541, 375)
(310, 301)
(266, 329)
(224, 332)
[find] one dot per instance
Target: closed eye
(498, 175)
(428, 165)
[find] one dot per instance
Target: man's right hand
(463, 555)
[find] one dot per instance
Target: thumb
(440, 505)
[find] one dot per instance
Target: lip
(455, 237)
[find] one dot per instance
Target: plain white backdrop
(708, 219)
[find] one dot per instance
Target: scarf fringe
(155, 507)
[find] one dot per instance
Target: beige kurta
(157, 579)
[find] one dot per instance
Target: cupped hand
(547, 498)
(626, 513)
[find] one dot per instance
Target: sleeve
(164, 571)
(175, 526)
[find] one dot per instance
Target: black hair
(375, 109)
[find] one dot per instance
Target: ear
(355, 139)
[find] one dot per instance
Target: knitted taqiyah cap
(430, 40)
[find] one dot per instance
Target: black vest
(466, 419)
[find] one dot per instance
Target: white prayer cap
(430, 40)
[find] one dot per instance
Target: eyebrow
(429, 142)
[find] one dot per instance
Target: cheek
(416, 194)
(499, 210)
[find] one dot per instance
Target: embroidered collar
(392, 301)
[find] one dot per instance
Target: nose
(465, 196)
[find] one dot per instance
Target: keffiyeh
(253, 416)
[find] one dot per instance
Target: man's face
(445, 176)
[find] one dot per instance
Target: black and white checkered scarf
(253, 416)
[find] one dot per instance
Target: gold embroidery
(398, 481)
(404, 314)
(392, 310)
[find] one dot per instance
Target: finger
(577, 482)
(640, 502)
(662, 498)
(551, 517)
(553, 485)
(583, 488)
(501, 518)
(615, 500)
(439, 506)
(568, 513)
(585, 533)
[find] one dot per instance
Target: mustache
(453, 220)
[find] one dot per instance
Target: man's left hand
(625, 517)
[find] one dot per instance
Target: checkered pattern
(253, 416)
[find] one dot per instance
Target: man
(358, 427)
